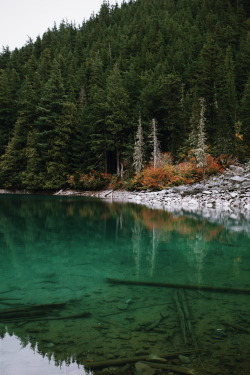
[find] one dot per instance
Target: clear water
(62, 250)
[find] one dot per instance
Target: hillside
(71, 101)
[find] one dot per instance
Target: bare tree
(198, 136)
(139, 148)
(156, 145)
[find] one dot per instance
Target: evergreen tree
(210, 84)
(13, 162)
(95, 125)
(245, 115)
(61, 154)
(117, 119)
(49, 110)
(225, 134)
(8, 105)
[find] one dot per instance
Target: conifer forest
(158, 82)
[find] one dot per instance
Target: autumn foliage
(168, 175)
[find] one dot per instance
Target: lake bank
(221, 197)
(228, 192)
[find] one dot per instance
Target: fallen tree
(209, 288)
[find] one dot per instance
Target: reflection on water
(57, 253)
(16, 359)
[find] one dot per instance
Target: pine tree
(8, 105)
(49, 110)
(60, 162)
(245, 115)
(227, 104)
(209, 84)
(117, 118)
(96, 110)
(13, 162)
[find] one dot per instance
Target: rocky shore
(224, 198)
(229, 191)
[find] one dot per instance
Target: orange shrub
(155, 178)
(213, 166)
(174, 175)
(150, 178)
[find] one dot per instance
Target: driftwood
(184, 316)
(32, 319)
(37, 312)
(181, 316)
(124, 361)
(236, 326)
(77, 316)
(32, 308)
(208, 288)
(135, 309)
(109, 192)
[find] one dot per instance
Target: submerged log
(77, 316)
(184, 316)
(26, 319)
(29, 312)
(237, 327)
(123, 361)
(218, 289)
(32, 308)
(181, 316)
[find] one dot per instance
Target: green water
(62, 250)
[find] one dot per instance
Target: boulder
(184, 359)
(143, 369)
(238, 179)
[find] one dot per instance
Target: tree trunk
(118, 162)
(122, 170)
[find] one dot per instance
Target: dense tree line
(70, 101)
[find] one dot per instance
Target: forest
(143, 89)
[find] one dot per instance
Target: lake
(85, 280)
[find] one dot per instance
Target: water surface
(57, 253)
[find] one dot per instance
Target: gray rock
(180, 188)
(237, 169)
(143, 369)
(246, 184)
(234, 194)
(238, 179)
(185, 360)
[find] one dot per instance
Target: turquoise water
(57, 253)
